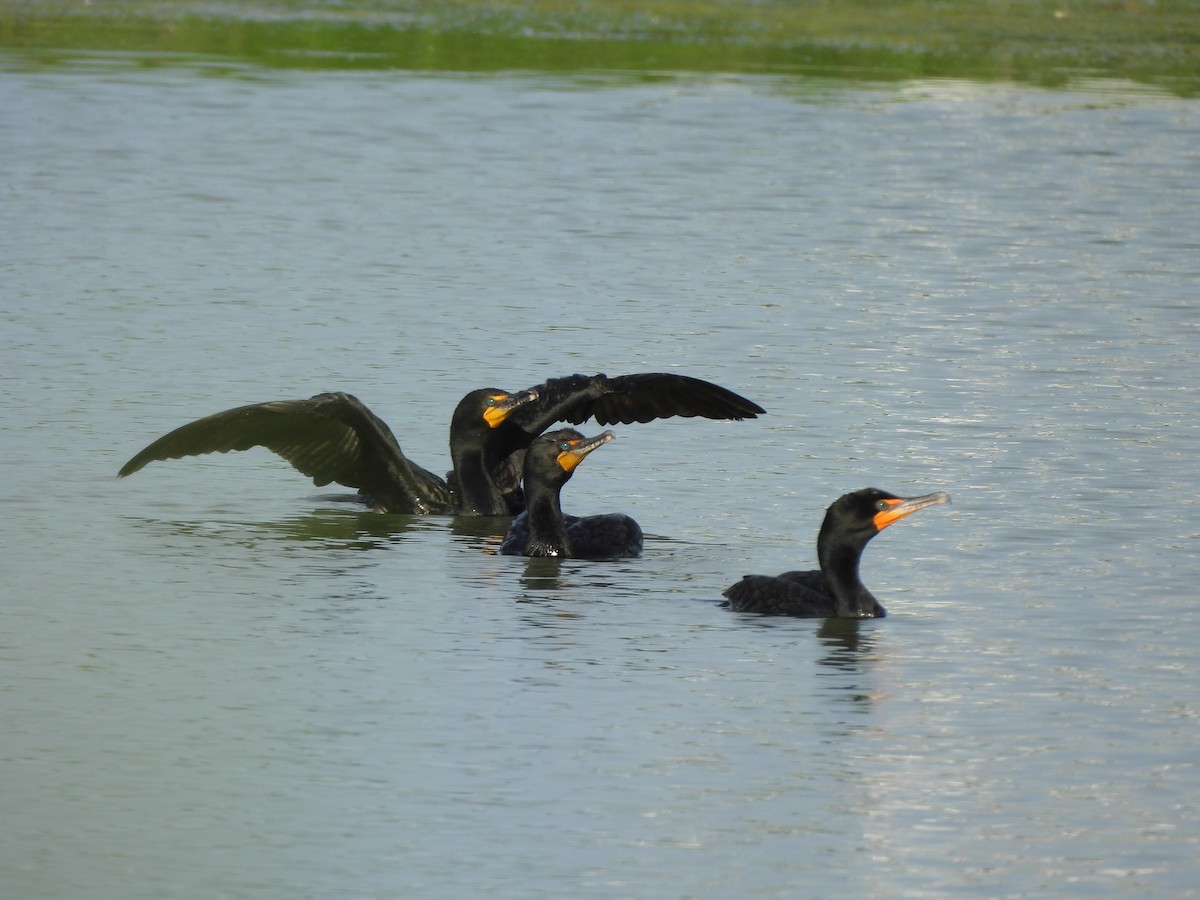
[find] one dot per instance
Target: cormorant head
(490, 406)
(555, 454)
(873, 510)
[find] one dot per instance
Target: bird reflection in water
(480, 532)
(848, 660)
(542, 573)
(336, 530)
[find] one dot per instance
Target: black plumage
(836, 590)
(334, 437)
(330, 438)
(489, 463)
(543, 530)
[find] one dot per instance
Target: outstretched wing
(642, 397)
(329, 437)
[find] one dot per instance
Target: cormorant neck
(547, 528)
(476, 451)
(839, 555)
(478, 493)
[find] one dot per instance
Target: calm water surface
(219, 682)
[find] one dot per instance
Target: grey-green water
(217, 682)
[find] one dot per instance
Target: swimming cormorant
(334, 437)
(543, 530)
(836, 589)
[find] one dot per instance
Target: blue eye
(491, 401)
(564, 446)
(881, 505)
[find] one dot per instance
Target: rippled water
(221, 682)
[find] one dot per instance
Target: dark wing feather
(654, 395)
(812, 579)
(641, 397)
(329, 437)
(779, 596)
(508, 475)
(557, 401)
(606, 536)
(516, 538)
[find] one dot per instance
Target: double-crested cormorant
(542, 529)
(836, 590)
(488, 461)
(335, 438)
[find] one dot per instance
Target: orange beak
(502, 405)
(575, 453)
(899, 508)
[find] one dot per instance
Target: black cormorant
(836, 589)
(334, 437)
(543, 530)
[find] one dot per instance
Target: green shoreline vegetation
(1045, 42)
